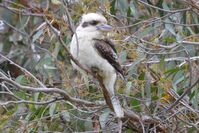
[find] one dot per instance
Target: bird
(95, 52)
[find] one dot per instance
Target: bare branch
(161, 9)
(181, 97)
(24, 70)
(22, 12)
(173, 59)
(50, 90)
(30, 102)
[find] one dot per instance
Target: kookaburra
(94, 50)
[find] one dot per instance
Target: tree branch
(51, 90)
(181, 97)
(24, 70)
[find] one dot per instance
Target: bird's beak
(104, 27)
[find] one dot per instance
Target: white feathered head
(93, 22)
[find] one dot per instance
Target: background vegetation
(157, 43)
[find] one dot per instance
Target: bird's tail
(117, 107)
(113, 102)
(109, 94)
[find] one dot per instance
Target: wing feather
(106, 49)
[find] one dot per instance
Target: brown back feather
(106, 49)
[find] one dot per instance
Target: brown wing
(106, 49)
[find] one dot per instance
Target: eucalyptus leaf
(122, 5)
(148, 89)
(65, 115)
(104, 117)
(56, 49)
(21, 79)
(133, 9)
(165, 6)
(145, 32)
(170, 27)
(123, 56)
(37, 35)
(128, 88)
(52, 109)
(49, 67)
(88, 124)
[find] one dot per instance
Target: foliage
(158, 45)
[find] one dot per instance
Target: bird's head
(93, 22)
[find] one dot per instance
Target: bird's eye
(94, 22)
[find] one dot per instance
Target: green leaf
(129, 13)
(112, 9)
(170, 27)
(173, 70)
(192, 95)
(136, 104)
(2, 25)
(178, 76)
(195, 98)
(133, 10)
(141, 76)
(129, 131)
(21, 79)
(88, 124)
(46, 66)
(192, 130)
(56, 2)
(165, 6)
(56, 49)
(49, 67)
(65, 115)
(159, 4)
(148, 89)
(133, 68)
(169, 39)
(123, 56)
(35, 113)
(37, 35)
(52, 109)
(154, 98)
(145, 32)
(103, 118)
(122, 5)
(128, 88)
(162, 64)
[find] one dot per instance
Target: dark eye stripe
(94, 22)
(85, 24)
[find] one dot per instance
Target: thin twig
(181, 97)
(71, 25)
(24, 70)
(161, 9)
(172, 59)
(50, 90)
(30, 102)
